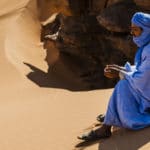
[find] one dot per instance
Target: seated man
(129, 105)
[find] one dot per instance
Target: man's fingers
(107, 70)
(111, 74)
(115, 66)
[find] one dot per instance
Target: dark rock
(124, 44)
(46, 8)
(99, 5)
(112, 2)
(144, 4)
(80, 7)
(116, 18)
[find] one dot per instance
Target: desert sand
(38, 116)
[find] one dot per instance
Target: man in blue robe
(129, 105)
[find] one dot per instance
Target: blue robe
(129, 105)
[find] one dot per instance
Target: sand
(38, 116)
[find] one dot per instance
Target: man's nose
(132, 32)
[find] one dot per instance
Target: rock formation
(92, 34)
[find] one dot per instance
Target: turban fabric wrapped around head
(142, 20)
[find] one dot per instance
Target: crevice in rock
(81, 7)
(106, 3)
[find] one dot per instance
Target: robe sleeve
(139, 80)
(130, 69)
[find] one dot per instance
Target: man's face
(135, 30)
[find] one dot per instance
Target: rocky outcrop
(112, 2)
(113, 20)
(144, 4)
(46, 8)
(96, 34)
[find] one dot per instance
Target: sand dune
(35, 117)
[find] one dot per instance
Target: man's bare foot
(103, 132)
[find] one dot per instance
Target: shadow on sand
(122, 139)
(51, 79)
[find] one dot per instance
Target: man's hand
(111, 73)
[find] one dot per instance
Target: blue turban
(142, 20)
